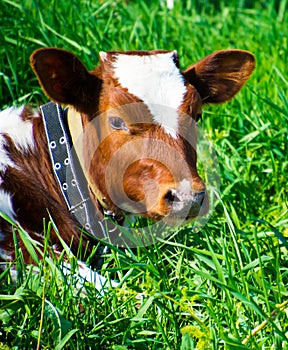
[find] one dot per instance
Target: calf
(137, 113)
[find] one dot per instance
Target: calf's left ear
(64, 78)
(219, 76)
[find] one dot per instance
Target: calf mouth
(177, 213)
(185, 213)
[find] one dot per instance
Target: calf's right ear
(64, 78)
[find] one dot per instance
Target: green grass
(205, 290)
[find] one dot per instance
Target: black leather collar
(68, 171)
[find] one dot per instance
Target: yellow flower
(195, 332)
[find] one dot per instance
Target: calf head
(139, 115)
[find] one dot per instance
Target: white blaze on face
(157, 81)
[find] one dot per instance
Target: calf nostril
(200, 197)
(171, 196)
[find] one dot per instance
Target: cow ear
(219, 76)
(64, 78)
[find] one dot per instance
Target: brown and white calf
(138, 112)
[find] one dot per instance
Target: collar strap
(68, 171)
(75, 126)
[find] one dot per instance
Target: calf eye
(118, 123)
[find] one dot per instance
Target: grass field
(224, 287)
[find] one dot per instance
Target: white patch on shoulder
(6, 206)
(157, 81)
(20, 131)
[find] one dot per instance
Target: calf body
(28, 190)
(138, 116)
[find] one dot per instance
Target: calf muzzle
(186, 204)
